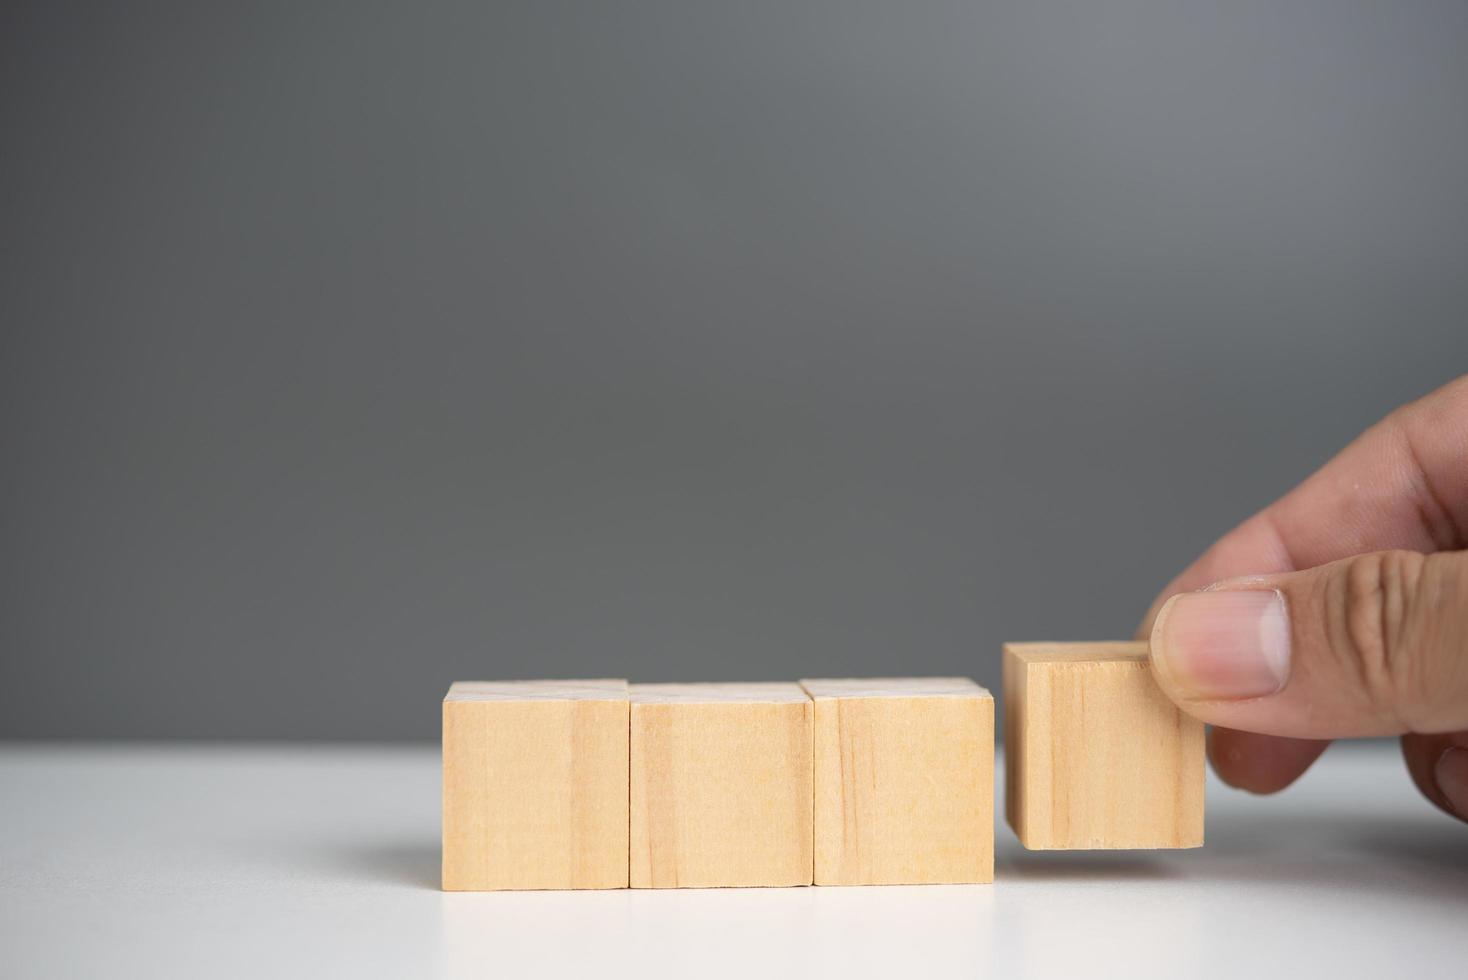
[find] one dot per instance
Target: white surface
(322, 862)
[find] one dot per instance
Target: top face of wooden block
(1077, 653)
(822, 688)
(765, 693)
(576, 690)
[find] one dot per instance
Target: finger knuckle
(1375, 604)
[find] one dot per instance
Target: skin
(1401, 486)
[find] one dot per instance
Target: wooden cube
(535, 785)
(904, 781)
(1095, 755)
(721, 785)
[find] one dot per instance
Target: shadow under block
(535, 785)
(721, 785)
(904, 781)
(1095, 756)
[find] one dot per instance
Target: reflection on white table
(322, 861)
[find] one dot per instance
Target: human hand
(1352, 620)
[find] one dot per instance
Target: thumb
(1371, 645)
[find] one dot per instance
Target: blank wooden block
(721, 785)
(904, 781)
(1095, 755)
(535, 785)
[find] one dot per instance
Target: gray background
(351, 349)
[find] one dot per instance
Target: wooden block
(535, 785)
(904, 781)
(1095, 755)
(721, 785)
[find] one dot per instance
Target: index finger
(1403, 483)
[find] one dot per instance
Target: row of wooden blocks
(602, 784)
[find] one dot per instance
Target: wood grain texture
(904, 781)
(535, 785)
(1095, 754)
(720, 785)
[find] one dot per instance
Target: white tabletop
(295, 861)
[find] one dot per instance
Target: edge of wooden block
(1078, 652)
(718, 692)
(596, 689)
(832, 688)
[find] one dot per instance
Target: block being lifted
(720, 785)
(904, 781)
(1095, 755)
(535, 784)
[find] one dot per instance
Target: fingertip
(1155, 652)
(1424, 755)
(1226, 644)
(1149, 621)
(1260, 764)
(1451, 773)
